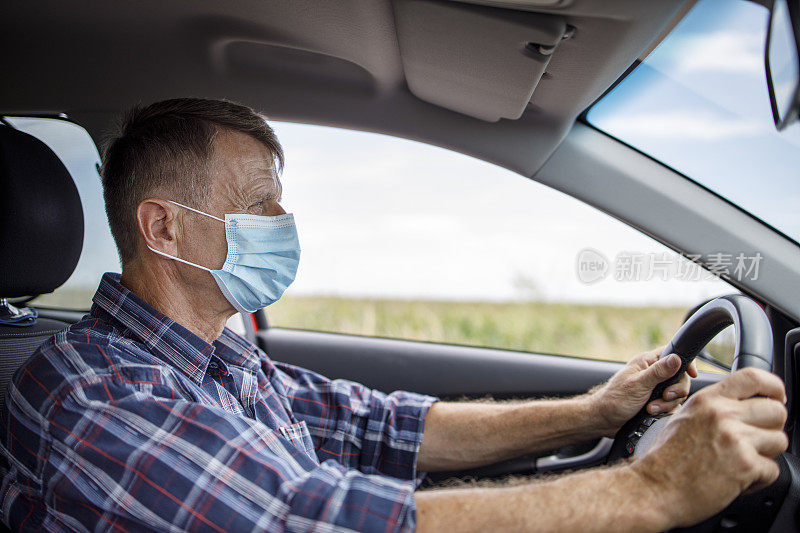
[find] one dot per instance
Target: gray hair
(165, 149)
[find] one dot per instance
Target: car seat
(41, 237)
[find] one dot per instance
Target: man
(148, 414)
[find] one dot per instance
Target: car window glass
(404, 240)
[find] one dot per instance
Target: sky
(381, 217)
(700, 104)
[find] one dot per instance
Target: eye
(258, 204)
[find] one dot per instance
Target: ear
(158, 225)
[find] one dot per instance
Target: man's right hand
(721, 443)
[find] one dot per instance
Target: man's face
(242, 180)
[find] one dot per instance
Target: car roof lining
(329, 63)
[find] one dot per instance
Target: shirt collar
(236, 350)
(165, 338)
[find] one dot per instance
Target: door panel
(446, 371)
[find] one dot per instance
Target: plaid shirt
(128, 421)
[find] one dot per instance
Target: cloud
(681, 125)
(724, 52)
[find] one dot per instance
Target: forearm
(464, 435)
(606, 499)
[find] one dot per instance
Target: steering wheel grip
(753, 346)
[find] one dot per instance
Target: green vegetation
(612, 333)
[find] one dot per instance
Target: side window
(73, 145)
(404, 240)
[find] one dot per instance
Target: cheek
(218, 245)
(275, 209)
(209, 247)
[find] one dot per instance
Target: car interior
(504, 81)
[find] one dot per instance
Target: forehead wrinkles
(257, 167)
(241, 168)
(242, 193)
(259, 179)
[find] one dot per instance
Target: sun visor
(481, 61)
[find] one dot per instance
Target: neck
(161, 286)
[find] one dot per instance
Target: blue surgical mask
(263, 254)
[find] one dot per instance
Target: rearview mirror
(782, 59)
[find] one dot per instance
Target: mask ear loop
(197, 211)
(178, 258)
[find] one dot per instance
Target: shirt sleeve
(356, 426)
(127, 460)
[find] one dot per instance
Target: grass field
(612, 333)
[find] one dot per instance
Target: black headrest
(41, 218)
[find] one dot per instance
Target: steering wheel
(753, 348)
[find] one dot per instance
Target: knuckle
(747, 462)
(728, 437)
(774, 414)
(744, 464)
(715, 415)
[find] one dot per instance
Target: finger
(766, 473)
(762, 413)
(769, 443)
(660, 406)
(653, 355)
(661, 370)
(749, 382)
(678, 390)
(692, 369)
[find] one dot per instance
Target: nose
(276, 210)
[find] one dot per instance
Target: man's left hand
(619, 399)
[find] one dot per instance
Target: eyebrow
(274, 195)
(256, 193)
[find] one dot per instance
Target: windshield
(699, 103)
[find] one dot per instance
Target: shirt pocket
(299, 436)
